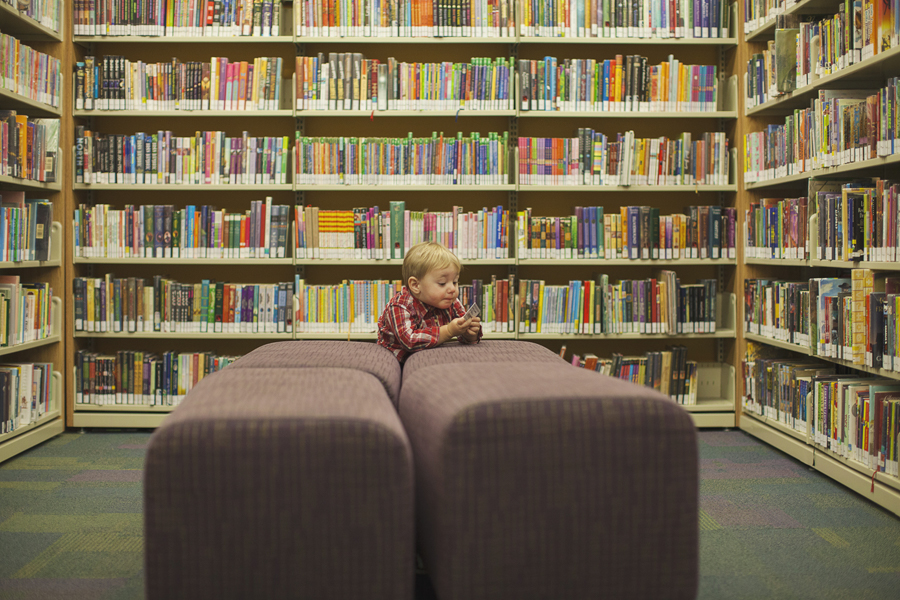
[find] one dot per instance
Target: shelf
(628, 188)
(405, 113)
(765, 430)
(837, 469)
(612, 262)
(27, 29)
(395, 262)
(126, 408)
(309, 187)
(14, 183)
(729, 41)
(55, 250)
(755, 337)
(712, 420)
(719, 334)
(48, 426)
(117, 419)
(156, 335)
(29, 345)
(802, 178)
(22, 104)
(716, 114)
(263, 187)
(877, 68)
(184, 113)
(766, 31)
(55, 329)
(184, 261)
(777, 262)
(404, 40)
(160, 39)
(832, 264)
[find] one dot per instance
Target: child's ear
(413, 285)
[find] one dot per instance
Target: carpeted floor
(71, 525)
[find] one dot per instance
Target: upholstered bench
(536, 479)
(280, 483)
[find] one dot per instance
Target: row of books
(117, 83)
(206, 158)
(626, 19)
(758, 13)
(667, 371)
(405, 18)
(24, 227)
(804, 51)
(854, 319)
(855, 417)
(636, 232)
(135, 377)
(25, 394)
(777, 228)
(28, 72)
(25, 311)
(45, 12)
(354, 306)
(112, 305)
(177, 18)
(841, 127)
(592, 158)
(660, 305)
(350, 81)
(436, 160)
(369, 233)
(164, 231)
(625, 83)
(29, 148)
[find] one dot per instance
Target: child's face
(439, 287)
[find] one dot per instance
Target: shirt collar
(420, 307)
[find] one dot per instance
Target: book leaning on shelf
(373, 234)
(593, 158)
(25, 394)
(134, 377)
(350, 81)
(854, 416)
(45, 12)
(405, 18)
(28, 72)
(205, 158)
(25, 311)
(132, 305)
(637, 232)
(28, 147)
(436, 160)
(626, 84)
(630, 19)
(661, 305)
(355, 306)
(116, 83)
(178, 18)
(668, 372)
(192, 232)
(24, 227)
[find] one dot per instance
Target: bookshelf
(777, 427)
(49, 420)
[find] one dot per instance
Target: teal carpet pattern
(71, 525)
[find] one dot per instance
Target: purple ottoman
(363, 356)
(280, 483)
(485, 351)
(540, 480)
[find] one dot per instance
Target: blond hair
(423, 258)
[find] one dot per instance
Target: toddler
(426, 312)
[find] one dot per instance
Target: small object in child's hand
(473, 312)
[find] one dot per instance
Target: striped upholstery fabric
(364, 356)
(485, 351)
(280, 483)
(538, 481)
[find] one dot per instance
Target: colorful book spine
(29, 72)
(26, 311)
(26, 394)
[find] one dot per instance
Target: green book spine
(654, 232)
(204, 306)
(398, 209)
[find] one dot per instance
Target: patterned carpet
(71, 525)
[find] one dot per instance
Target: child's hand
(472, 330)
(458, 326)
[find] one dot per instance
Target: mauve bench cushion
(547, 481)
(280, 483)
(364, 356)
(485, 351)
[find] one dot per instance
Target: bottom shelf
(26, 437)
(884, 490)
(115, 418)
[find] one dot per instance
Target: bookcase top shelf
(53, 339)
(303, 187)
(804, 7)
(753, 337)
(21, 104)
(286, 39)
(834, 264)
(14, 183)
(27, 29)
(872, 70)
(719, 114)
(802, 178)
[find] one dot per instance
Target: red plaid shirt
(408, 325)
